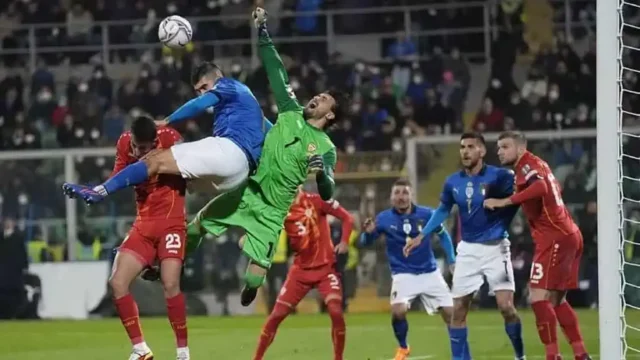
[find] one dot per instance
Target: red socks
(128, 312)
(570, 326)
(279, 313)
(177, 313)
(546, 322)
(338, 328)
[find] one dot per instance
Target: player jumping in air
(158, 233)
(296, 146)
(558, 242)
(484, 251)
(308, 232)
(416, 274)
(222, 161)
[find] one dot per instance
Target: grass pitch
(307, 337)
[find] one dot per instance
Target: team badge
(525, 169)
(311, 148)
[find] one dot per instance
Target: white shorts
(430, 287)
(476, 262)
(212, 162)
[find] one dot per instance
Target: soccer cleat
(583, 357)
(87, 194)
(402, 353)
(248, 295)
(151, 273)
(141, 355)
(183, 354)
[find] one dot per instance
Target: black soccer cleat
(151, 273)
(248, 295)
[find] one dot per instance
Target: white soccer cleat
(183, 354)
(141, 354)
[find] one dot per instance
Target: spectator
(402, 52)
(431, 116)
(371, 123)
(489, 118)
(308, 24)
(586, 85)
(79, 24)
(101, 85)
(113, 124)
(42, 78)
(11, 107)
(519, 111)
(13, 266)
(417, 88)
(554, 108)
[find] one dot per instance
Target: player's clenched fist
(259, 17)
(369, 225)
(315, 164)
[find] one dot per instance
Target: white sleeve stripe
(530, 174)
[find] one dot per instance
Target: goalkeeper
(296, 146)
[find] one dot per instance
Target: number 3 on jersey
(172, 241)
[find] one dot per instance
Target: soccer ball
(175, 31)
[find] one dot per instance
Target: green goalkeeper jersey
(291, 141)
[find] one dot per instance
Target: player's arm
(536, 188)
(194, 107)
(267, 125)
(276, 72)
(323, 166)
(447, 244)
(333, 208)
(434, 224)
(372, 231)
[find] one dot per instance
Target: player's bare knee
(446, 313)
(536, 295)
(171, 287)
(460, 310)
(504, 300)
(399, 311)
(119, 285)
(256, 269)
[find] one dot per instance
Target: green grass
(307, 337)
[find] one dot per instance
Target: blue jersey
(397, 228)
(238, 117)
(469, 192)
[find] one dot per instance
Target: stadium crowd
(392, 100)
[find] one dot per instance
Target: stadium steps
(538, 27)
(429, 189)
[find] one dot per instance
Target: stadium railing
(487, 28)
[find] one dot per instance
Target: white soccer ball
(175, 31)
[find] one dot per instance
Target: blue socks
(400, 329)
(459, 345)
(514, 331)
(132, 175)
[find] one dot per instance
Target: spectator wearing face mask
(417, 88)
(41, 110)
(402, 51)
(101, 85)
(42, 78)
(10, 106)
(586, 85)
(554, 108)
(519, 110)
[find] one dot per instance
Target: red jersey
(546, 214)
(161, 197)
(308, 230)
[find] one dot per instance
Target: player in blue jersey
(221, 162)
(416, 275)
(484, 252)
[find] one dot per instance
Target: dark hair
(517, 136)
(143, 129)
(473, 135)
(402, 182)
(202, 70)
(340, 109)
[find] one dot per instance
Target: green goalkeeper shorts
(245, 208)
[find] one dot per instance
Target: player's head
(326, 108)
(401, 195)
(472, 149)
(511, 145)
(204, 76)
(143, 136)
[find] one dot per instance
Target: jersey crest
(311, 148)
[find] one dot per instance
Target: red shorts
(300, 281)
(556, 262)
(150, 240)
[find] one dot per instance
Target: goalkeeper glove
(259, 17)
(315, 164)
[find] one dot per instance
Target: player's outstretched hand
(341, 248)
(492, 204)
(315, 164)
(259, 17)
(410, 245)
(369, 225)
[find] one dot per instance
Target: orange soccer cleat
(402, 353)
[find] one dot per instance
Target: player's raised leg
(132, 257)
(293, 290)
(330, 289)
(171, 254)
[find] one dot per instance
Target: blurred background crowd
(421, 68)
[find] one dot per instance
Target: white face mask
(100, 161)
(355, 107)
(83, 87)
(350, 149)
(98, 75)
(168, 60)
(144, 73)
(496, 84)
(211, 4)
(417, 79)
(79, 133)
(295, 85)
(396, 146)
(172, 8)
(406, 131)
(374, 94)
(95, 134)
(359, 67)
(385, 166)
(29, 138)
(553, 95)
(374, 70)
(23, 199)
(44, 96)
(135, 112)
(236, 68)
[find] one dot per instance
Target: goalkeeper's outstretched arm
(276, 72)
